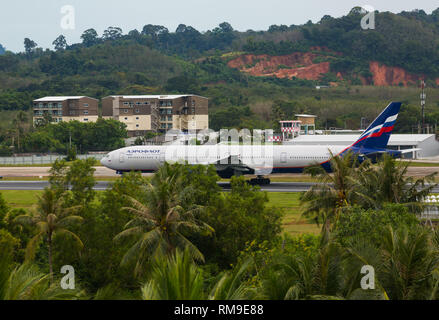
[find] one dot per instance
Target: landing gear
(260, 181)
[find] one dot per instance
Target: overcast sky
(40, 20)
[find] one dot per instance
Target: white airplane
(259, 160)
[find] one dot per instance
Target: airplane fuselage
(245, 159)
(232, 159)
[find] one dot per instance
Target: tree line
(62, 137)
(181, 238)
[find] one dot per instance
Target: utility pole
(423, 97)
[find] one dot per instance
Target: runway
(103, 185)
(20, 172)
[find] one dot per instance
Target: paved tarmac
(103, 185)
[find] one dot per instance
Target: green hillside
(156, 60)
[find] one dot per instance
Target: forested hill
(232, 68)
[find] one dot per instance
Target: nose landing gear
(260, 181)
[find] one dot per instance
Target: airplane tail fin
(378, 133)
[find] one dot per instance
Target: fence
(47, 159)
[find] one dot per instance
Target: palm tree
(360, 252)
(231, 285)
(51, 218)
(305, 276)
(387, 182)
(26, 282)
(326, 199)
(176, 277)
(160, 224)
(410, 262)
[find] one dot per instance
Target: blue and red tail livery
(377, 135)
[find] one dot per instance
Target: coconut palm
(388, 182)
(175, 277)
(161, 223)
(326, 199)
(360, 252)
(52, 217)
(231, 285)
(289, 278)
(410, 264)
(26, 282)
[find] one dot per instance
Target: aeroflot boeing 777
(258, 160)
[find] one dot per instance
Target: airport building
(426, 142)
(81, 108)
(157, 113)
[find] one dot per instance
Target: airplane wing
(410, 150)
(375, 155)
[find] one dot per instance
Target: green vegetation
(178, 236)
(66, 138)
(156, 60)
(366, 185)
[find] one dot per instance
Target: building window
(146, 103)
(166, 103)
(85, 120)
(41, 105)
(137, 126)
(59, 105)
(85, 111)
(86, 105)
(169, 125)
(193, 103)
(169, 111)
(72, 113)
(126, 104)
(137, 111)
(139, 103)
(125, 110)
(169, 118)
(137, 118)
(126, 118)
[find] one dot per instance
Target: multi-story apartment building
(154, 113)
(79, 108)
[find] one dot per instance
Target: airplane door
(122, 158)
(283, 157)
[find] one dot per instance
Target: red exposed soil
(298, 64)
(391, 76)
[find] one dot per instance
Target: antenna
(423, 97)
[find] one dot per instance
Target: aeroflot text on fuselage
(143, 151)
